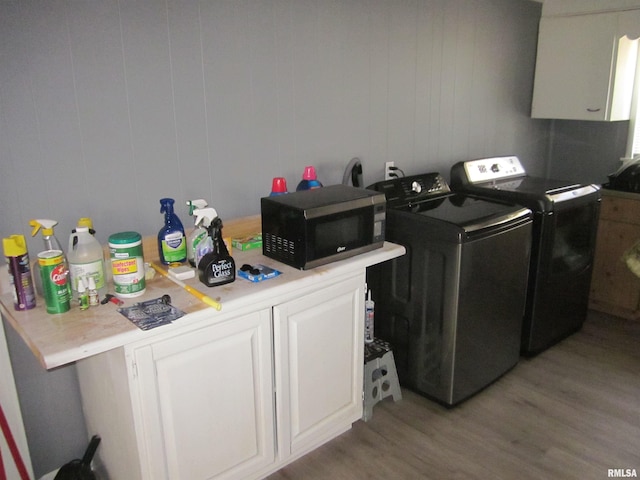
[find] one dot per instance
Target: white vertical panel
(189, 100)
(228, 88)
(379, 85)
(155, 171)
(308, 106)
(285, 163)
(103, 115)
(354, 107)
(263, 119)
(50, 71)
(402, 82)
(430, 77)
(463, 78)
(24, 163)
(331, 30)
(486, 82)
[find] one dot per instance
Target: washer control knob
(416, 187)
(495, 168)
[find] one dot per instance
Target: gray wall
(586, 152)
(107, 106)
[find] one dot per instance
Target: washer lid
(466, 212)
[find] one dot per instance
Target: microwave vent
(279, 248)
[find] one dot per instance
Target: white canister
(127, 264)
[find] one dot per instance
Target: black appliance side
(564, 236)
(560, 274)
(451, 307)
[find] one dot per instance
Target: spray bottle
(50, 243)
(15, 252)
(217, 267)
(198, 232)
(203, 243)
(172, 243)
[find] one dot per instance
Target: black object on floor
(80, 469)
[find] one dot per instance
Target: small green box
(247, 243)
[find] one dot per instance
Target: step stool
(380, 376)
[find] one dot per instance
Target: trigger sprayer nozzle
(205, 215)
(166, 205)
(46, 225)
(196, 204)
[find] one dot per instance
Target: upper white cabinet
(586, 66)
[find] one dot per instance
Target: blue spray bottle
(172, 243)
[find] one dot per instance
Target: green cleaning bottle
(198, 232)
(203, 243)
(46, 227)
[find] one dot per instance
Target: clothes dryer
(565, 222)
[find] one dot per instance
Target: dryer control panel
(496, 168)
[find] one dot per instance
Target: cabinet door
(584, 69)
(206, 401)
(319, 365)
(614, 288)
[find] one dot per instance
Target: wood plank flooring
(572, 412)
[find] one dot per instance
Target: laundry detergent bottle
(309, 179)
(172, 243)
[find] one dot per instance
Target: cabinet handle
(593, 110)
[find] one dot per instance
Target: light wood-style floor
(572, 412)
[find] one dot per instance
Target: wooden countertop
(60, 339)
(620, 194)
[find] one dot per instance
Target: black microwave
(314, 227)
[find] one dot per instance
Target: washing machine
(452, 307)
(565, 222)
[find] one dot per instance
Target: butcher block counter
(234, 393)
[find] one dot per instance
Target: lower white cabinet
(239, 398)
(319, 347)
(206, 401)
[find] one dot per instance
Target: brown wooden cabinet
(614, 288)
